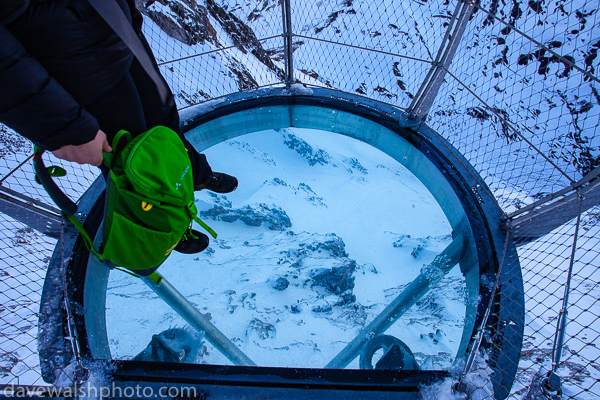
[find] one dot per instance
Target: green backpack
(149, 200)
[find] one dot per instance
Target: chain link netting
(214, 49)
(512, 93)
(25, 254)
(520, 101)
(381, 51)
(23, 257)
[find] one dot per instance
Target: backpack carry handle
(63, 202)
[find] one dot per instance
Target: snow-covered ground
(22, 272)
(322, 233)
(545, 267)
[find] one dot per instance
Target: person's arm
(39, 108)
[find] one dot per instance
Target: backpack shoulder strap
(110, 11)
(87, 240)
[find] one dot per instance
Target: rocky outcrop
(184, 20)
(192, 23)
(274, 217)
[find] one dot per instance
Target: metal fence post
(421, 104)
(287, 41)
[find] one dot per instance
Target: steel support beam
(428, 277)
(421, 104)
(188, 312)
(33, 213)
(286, 10)
(544, 219)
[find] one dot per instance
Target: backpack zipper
(145, 186)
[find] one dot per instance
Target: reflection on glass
(323, 233)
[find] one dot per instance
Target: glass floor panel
(322, 234)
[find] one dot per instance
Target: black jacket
(57, 56)
(11, 9)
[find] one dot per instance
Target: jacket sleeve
(36, 105)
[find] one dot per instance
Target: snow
(298, 89)
(545, 266)
(199, 109)
(21, 278)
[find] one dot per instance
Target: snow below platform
(321, 235)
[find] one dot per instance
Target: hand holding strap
(56, 194)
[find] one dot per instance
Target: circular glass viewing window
(344, 246)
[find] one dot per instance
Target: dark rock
(305, 150)
(362, 89)
(322, 309)
(242, 35)
(263, 330)
(333, 245)
(338, 279)
(335, 15)
(417, 251)
(281, 284)
(187, 23)
(478, 113)
(355, 164)
(385, 92)
(536, 6)
(336, 274)
(346, 298)
(276, 218)
(401, 241)
(524, 59)
(190, 23)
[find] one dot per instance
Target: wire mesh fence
(24, 256)
(520, 102)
